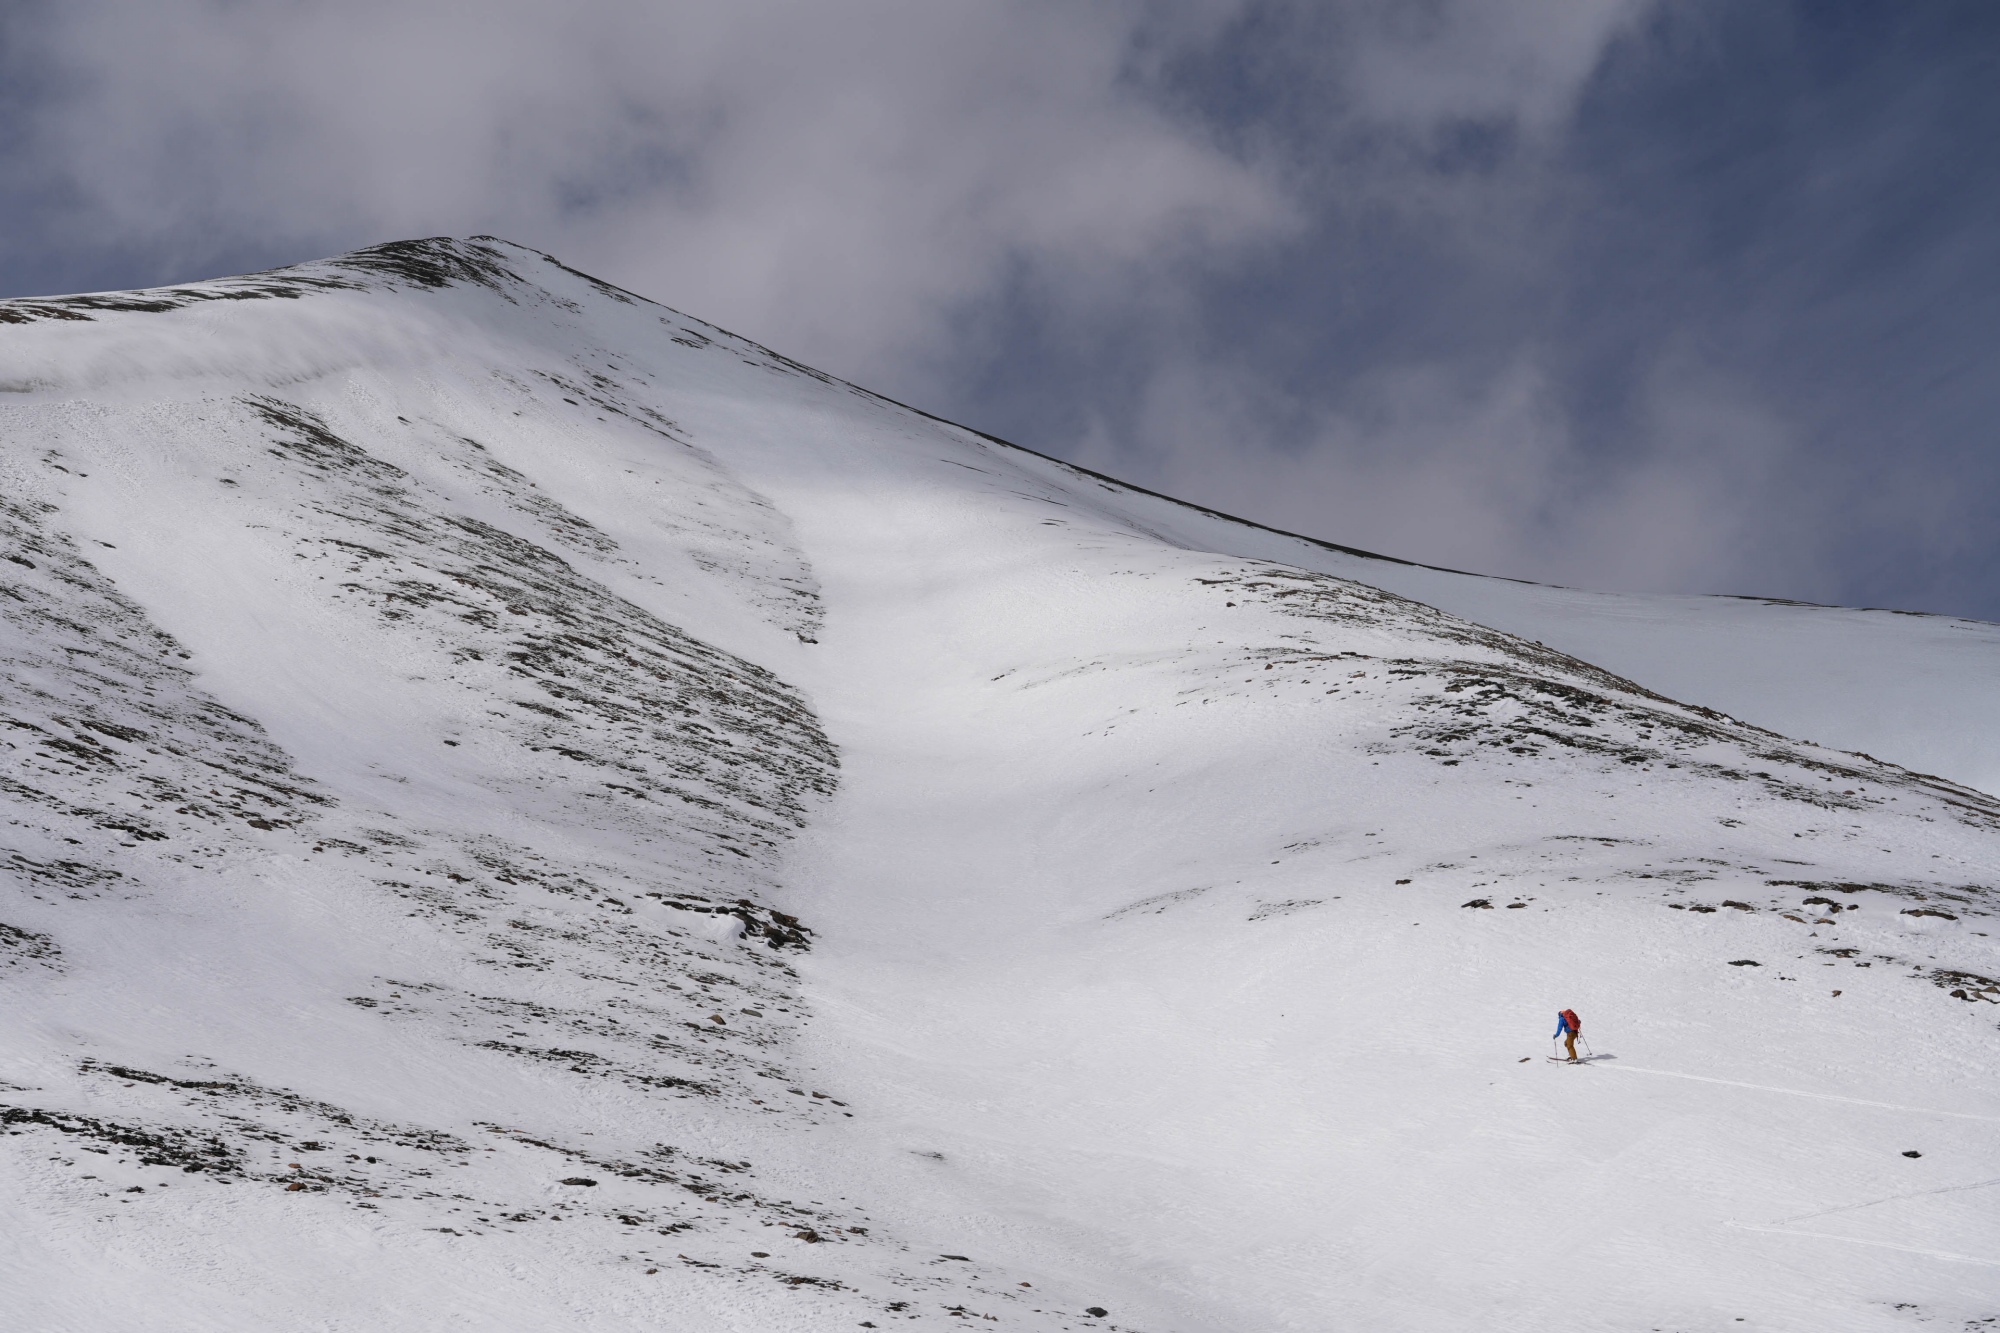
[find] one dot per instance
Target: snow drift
(527, 810)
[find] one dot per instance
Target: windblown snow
(526, 810)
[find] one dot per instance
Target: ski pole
(1586, 1044)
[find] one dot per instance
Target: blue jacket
(1562, 1025)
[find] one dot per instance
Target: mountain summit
(527, 810)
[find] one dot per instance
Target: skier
(1570, 1026)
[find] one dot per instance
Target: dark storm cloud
(1642, 293)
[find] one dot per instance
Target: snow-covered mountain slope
(1922, 691)
(525, 810)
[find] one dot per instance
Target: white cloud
(1420, 63)
(1446, 466)
(861, 184)
(838, 179)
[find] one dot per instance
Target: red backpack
(1575, 1023)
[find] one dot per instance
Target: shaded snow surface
(469, 732)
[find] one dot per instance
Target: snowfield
(525, 810)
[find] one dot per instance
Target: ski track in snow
(1945, 1255)
(1913, 1194)
(1817, 1096)
(527, 810)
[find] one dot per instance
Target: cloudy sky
(1654, 294)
